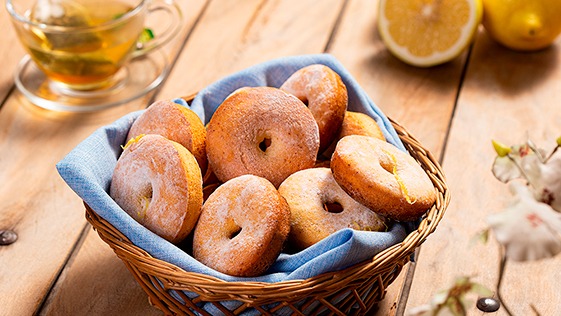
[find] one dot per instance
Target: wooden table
(59, 265)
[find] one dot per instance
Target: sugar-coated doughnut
(382, 177)
(324, 92)
(319, 207)
(261, 131)
(158, 182)
(242, 228)
(175, 122)
(356, 123)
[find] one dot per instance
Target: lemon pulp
(426, 33)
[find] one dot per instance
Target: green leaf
(481, 237)
(481, 289)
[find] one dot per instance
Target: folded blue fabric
(88, 169)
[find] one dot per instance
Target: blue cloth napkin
(88, 169)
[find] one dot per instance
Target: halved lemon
(425, 33)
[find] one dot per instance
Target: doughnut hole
(235, 232)
(264, 144)
(232, 229)
(145, 194)
(264, 141)
(148, 192)
(333, 207)
(387, 163)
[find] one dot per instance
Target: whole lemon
(524, 25)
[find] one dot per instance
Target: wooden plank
(96, 282)
(45, 213)
(422, 100)
(11, 51)
(505, 96)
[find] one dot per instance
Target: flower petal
(505, 169)
(529, 230)
(548, 188)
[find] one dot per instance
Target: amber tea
(86, 42)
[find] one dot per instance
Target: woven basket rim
(181, 279)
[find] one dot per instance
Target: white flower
(528, 162)
(529, 229)
(548, 182)
(520, 162)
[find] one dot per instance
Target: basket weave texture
(352, 291)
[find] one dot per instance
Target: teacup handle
(171, 8)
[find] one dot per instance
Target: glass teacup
(81, 44)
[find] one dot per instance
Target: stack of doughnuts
(274, 168)
(158, 178)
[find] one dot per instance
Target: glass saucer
(138, 77)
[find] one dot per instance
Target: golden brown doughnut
(242, 228)
(158, 182)
(324, 92)
(175, 122)
(262, 131)
(356, 123)
(382, 177)
(319, 207)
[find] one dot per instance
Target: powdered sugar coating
(242, 227)
(261, 131)
(158, 183)
(307, 192)
(326, 95)
(382, 177)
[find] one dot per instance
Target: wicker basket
(353, 291)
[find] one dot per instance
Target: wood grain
(402, 92)
(234, 35)
(96, 282)
(11, 51)
(505, 96)
(47, 216)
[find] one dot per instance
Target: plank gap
(335, 26)
(407, 282)
(7, 96)
(406, 287)
(65, 265)
(456, 99)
